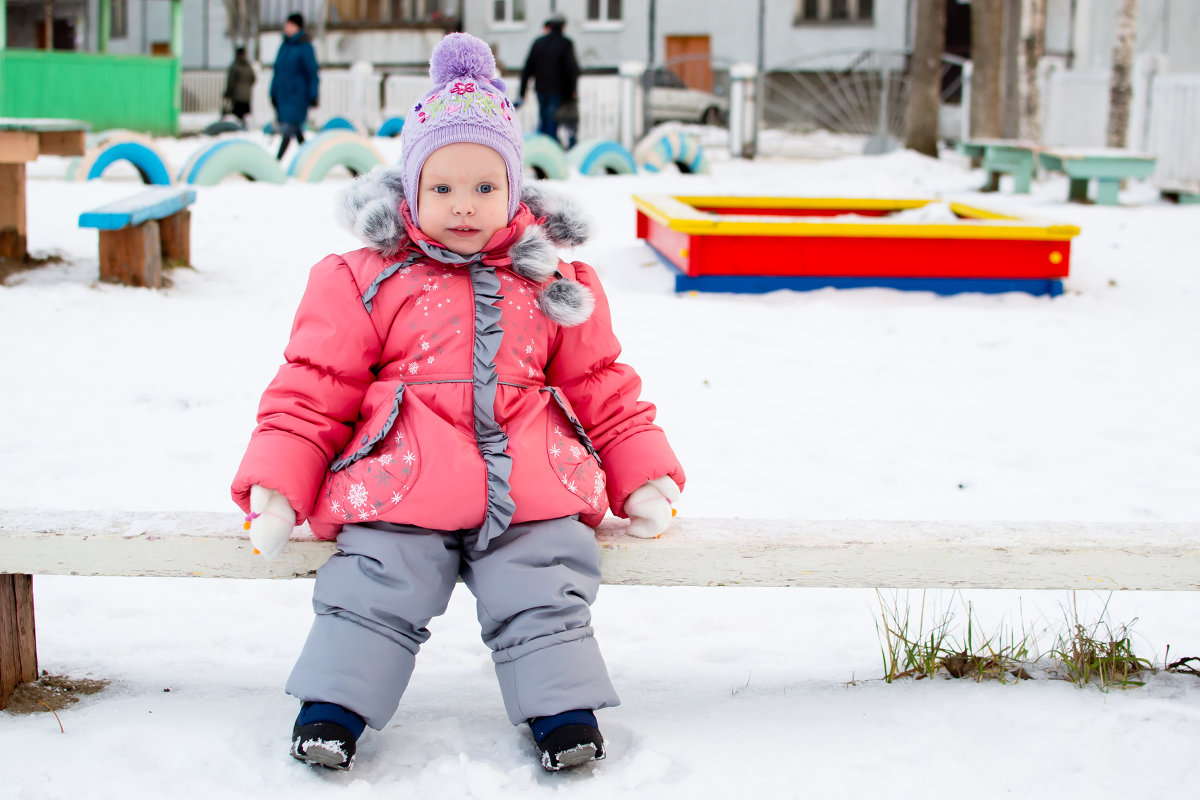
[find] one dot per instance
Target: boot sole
(576, 756)
(319, 756)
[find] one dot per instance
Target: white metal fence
(1164, 119)
(1173, 133)
(1076, 104)
(368, 98)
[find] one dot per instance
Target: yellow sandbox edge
(679, 213)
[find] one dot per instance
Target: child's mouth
(464, 231)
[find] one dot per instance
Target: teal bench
(1107, 166)
(1003, 156)
(141, 234)
(1184, 196)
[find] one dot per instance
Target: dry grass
(51, 693)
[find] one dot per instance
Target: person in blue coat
(295, 83)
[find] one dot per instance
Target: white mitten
(649, 508)
(271, 521)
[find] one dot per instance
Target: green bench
(140, 233)
(1014, 157)
(1107, 166)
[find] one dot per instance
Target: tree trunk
(1033, 47)
(987, 56)
(925, 78)
(1120, 90)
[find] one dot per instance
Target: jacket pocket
(380, 465)
(571, 453)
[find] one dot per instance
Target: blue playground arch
(147, 162)
(391, 127)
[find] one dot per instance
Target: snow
(868, 404)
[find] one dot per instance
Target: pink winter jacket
(418, 389)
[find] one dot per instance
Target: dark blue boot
(568, 739)
(326, 735)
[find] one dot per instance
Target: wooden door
(690, 57)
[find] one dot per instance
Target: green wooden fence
(141, 93)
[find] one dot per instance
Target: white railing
(1174, 130)
(352, 93)
(203, 91)
(356, 95)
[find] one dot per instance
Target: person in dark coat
(295, 84)
(555, 72)
(239, 85)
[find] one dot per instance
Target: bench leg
(1022, 179)
(992, 184)
(132, 256)
(175, 232)
(18, 644)
(1077, 190)
(1106, 191)
(12, 212)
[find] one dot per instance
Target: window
(834, 11)
(508, 11)
(118, 23)
(604, 11)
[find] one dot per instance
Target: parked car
(671, 99)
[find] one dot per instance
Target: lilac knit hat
(466, 104)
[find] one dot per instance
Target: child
(448, 394)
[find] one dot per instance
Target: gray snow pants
(533, 586)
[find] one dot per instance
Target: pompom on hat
(466, 104)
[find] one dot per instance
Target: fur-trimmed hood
(370, 209)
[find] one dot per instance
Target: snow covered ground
(863, 404)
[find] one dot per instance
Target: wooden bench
(696, 552)
(22, 141)
(1003, 156)
(1107, 166)
(141, 234)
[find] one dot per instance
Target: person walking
(239, 85)
(295, 83)
(552, 65)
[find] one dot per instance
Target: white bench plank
(696, 552)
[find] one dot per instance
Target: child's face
(463, 196)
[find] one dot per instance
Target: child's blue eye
(441, 189)
(486, 188)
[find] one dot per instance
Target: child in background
(449, 395)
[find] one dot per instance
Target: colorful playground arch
(669, 145)
(544, 157)
(760, 244)
(341, 124)
(601, 157)
(334, 148)
(110, 147)
(391, 127)
(214, 162)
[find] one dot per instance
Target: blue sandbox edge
(761, 284)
